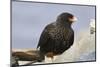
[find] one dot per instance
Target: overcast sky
(29, 20)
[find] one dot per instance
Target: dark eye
(70, 16)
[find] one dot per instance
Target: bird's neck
(65, 23)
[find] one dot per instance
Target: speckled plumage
(58, 36)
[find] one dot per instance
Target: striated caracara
(57, 37)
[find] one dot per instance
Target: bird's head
(66, 17)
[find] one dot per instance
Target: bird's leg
(49, 57)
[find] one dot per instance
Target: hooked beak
(74, 19)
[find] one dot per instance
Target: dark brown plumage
(57, 37)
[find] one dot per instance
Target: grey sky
(29, 20)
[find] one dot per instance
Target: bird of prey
(57, 37)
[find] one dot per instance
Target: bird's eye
(71, 17)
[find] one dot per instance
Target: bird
(57, 37)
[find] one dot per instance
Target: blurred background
(29, 20)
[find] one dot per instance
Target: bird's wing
(43, 38)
